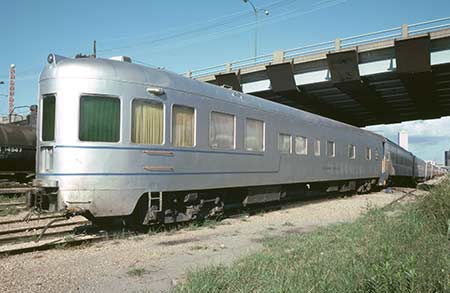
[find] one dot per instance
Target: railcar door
(385, 164)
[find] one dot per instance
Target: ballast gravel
(155, 263)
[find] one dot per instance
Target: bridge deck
(390, 76)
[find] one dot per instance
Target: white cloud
(428, 139)
(434, 128)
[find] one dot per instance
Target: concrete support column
(278, 57)
(405, 32)
(337, 44)
(228, 67)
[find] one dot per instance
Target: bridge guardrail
(403, 31)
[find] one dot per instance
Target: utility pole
(12, 88)
(256, 12)
(95, 49)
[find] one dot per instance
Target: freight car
(17, 151)
(116, 139)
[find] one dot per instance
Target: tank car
(117, 139)
(17, 151)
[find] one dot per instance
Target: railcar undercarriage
(183, 206)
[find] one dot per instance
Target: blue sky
(183, 35)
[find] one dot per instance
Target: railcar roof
(107, 69)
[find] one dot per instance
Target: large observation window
(148, 122)
(221, 131)
(99, 119)
(183, 126)
(48, 118)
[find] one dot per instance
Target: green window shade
(48, 118)
(99, 119)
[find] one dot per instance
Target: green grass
(404, 252)
(6, 199)
(207, 223)
(9, 211)
(136, 272)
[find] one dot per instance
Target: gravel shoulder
(154, 263)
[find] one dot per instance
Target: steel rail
(65, 242)
(34, 237)
(40, 227)
(12, 204)
(52, 244)
(32, 219)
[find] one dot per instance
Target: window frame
(234, 130)
(318, 143)
(264, 135)
(334, 149)
(353, 154)
(121, 113)
(368, 154)
(290, 142)
(306, 145)
(41, 118)
(195, 126)
(131, 119)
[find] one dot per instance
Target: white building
(403, 139)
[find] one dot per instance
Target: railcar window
(183, 126)
(148, 122)
(254, 135)
(351, 151)
(317, 147)
(285, 143)
(221, 131)
(99, 119)
(368, 153)
(301, 145)
(48, 118)
(331, 149)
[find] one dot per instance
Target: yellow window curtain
(183, 126)
(148, 122)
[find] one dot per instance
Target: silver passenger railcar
(118, 139)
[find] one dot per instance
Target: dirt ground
(155, 263)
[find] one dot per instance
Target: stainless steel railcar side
(401, 162)
(107, 179)
(419, 168)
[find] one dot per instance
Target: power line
(198, 31)
(203, 31)
(283, 16)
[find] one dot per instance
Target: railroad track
(67, 237)
(39, 218)
(12, 204)
(17, 235)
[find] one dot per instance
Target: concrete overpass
(382, 77)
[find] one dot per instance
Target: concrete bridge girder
(385, 82)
